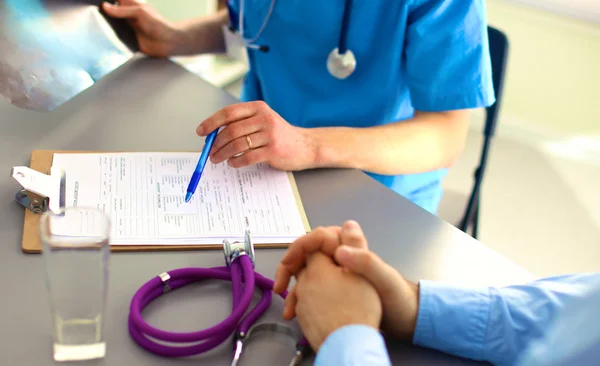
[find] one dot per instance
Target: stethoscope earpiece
(250, 42)
(262, 48)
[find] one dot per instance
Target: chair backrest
(499, 56)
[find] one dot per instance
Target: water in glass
(76, 251)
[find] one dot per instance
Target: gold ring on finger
(249, 142)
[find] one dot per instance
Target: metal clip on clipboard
(40, 192)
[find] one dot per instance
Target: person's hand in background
(349, 248)
(156, 36)
(327, 298)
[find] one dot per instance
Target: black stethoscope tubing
(343, 39)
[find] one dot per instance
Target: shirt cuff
(452, 319)
(353, 345)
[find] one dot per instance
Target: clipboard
(40, 181)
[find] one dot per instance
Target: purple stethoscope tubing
(244, 280)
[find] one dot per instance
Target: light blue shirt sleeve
(574, 338)
(499, 324)
(447, 55)
(353, 345)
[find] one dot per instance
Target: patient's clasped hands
(339, 282)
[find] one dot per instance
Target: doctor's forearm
(426, 142)
(200, 35)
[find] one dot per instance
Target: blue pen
(210, 139)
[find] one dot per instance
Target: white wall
(588, 10)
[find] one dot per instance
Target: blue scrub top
(428, 55)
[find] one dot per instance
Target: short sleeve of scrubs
(447, 55)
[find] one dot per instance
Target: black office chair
(499, 56)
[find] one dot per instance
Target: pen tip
(188, 197)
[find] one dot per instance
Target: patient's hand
(327, 298)
(348, 247)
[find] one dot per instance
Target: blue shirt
(428, 55)
(552, 321)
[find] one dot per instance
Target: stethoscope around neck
(341, 61)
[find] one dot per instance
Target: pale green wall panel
(554, 68)
(182, 9)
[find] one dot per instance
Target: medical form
(144, 196)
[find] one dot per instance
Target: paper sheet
(144, 196)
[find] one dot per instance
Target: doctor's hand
(327, 298)
(254, 133)
(155, 35)
(348, 247)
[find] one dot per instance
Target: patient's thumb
(366, 264)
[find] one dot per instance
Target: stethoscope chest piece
(341, 65)
(232, 250)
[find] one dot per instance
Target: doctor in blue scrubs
(381, 86)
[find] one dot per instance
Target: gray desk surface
(155, 105)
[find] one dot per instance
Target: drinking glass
(76, 252)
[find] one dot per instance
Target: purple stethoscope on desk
(239, 257)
